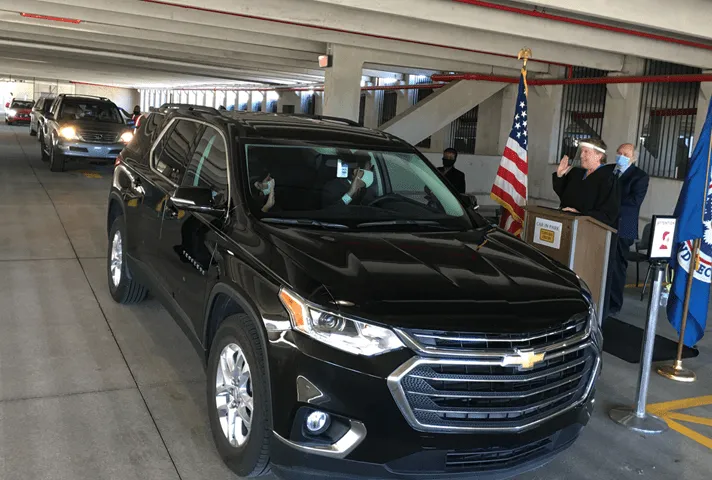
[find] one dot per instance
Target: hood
(485, 280)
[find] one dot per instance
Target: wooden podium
(582, 243)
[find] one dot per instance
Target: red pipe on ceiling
(585, 23)
(701, 77)
(308, 89)
(338, 30)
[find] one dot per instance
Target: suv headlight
(596, 333)
(68, 133)
(333, 329)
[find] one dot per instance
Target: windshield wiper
(419, 223)
(304, 222)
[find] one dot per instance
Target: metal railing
(582, 111)
(666, 125)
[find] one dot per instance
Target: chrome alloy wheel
(233, 395)
(117, 258)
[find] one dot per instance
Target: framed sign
(662, 236)
(547, 233)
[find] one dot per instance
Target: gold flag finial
(524, 54)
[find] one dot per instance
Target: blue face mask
(622, 161)
(367, 178)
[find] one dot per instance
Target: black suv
(83, 127)
(356, 317)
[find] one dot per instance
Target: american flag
(510, 184)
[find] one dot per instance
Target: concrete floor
(93, 390)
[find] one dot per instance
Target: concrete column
(289, 98)
(489, 120)
(370, 114)
(249, 101)
(342, 82)
(264, 101)
(544, 132)
(620, 119)
(319, 103)
(703, 103)
(403, 101)
(440, 109)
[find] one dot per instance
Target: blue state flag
(694, 221)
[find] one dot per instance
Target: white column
(622, 113)
(342, 82)
(703, 103)
(370, 114)
(489, 119)
(289, 98)
(440, 109)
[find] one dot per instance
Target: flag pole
(524, 55)
(676, 371)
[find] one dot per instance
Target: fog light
(317, 422)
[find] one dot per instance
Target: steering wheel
(390, 196)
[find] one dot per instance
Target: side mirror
(469, 201)
(198, 200)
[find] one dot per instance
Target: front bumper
(357, 389)
(18, 119)
(105, 151)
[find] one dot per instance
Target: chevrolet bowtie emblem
(524, 359)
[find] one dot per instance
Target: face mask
(622, 161)
(266, 187)
(448, 162)
(367, 178)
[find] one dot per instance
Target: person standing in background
(452, 174)
(633, 186)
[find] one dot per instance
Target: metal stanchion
(637, 419)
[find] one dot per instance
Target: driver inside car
(263, 192)
(359, 188)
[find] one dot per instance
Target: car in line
(81, 127)
(37, 117)
(18, 111)
(356, 317)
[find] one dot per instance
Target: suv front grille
(98, 137)
(485, 390)
(459, 341)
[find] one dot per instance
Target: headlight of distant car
(12, 112)
(68, 133)
(126, 137)
(351, 336)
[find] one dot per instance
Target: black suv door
(186, 247)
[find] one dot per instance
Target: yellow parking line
(689, 433)
(690, 418)
(664, 407)
(91, 174)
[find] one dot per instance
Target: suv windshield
(333, 187)
(89, 110)
(21, 104)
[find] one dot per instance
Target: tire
(250, 459)
(56, 160)
(122, 286)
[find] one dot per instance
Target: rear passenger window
(208, 165)
(171, 158)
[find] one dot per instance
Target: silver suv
(83, 127)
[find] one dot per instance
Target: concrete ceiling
(149, 43)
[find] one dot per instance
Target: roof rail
(329, 119)
(190, 107)
(84, 96)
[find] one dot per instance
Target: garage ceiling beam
(451, 15)
(683, 17)
(178, 20)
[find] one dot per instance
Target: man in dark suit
(633, 186)
(452, 174)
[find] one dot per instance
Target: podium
(582, 243)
